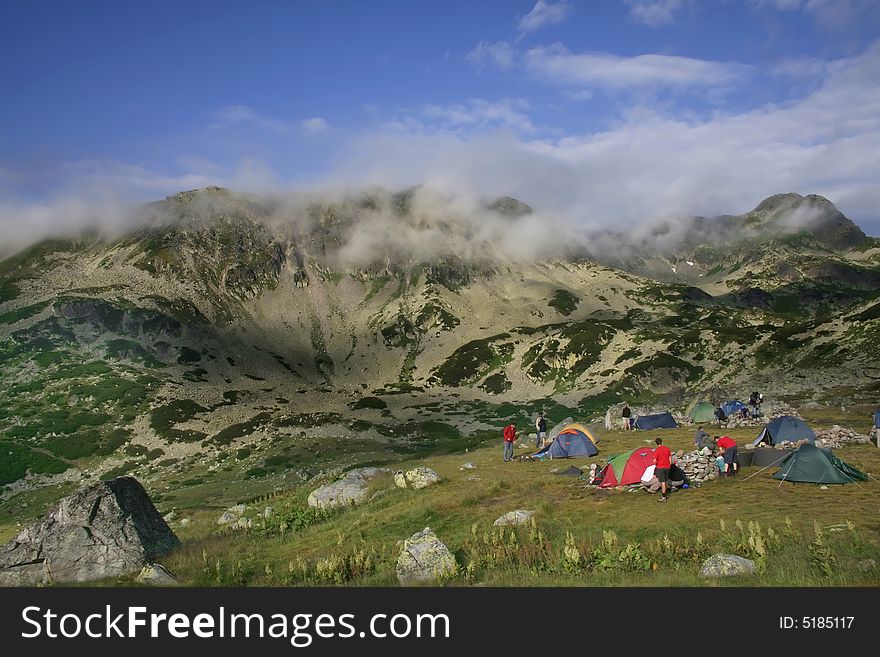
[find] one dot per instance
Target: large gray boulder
(416, 478)
(107, 529)
(351, 489)
(727, 565)
(424, 558)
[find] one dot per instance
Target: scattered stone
(726, 565)
(518, 517)
(838, 436)
(168, 517)
(866, 565)
(243, 523)
(268, 512)
(470, 465)
(416, 478)
(185, 522)
(106, 529)
(350, 490)
(424, 558)
(823, 487)
(154, 574)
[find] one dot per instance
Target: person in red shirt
(727, 445)
(662, 463)
(509, 439)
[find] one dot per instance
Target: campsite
(799, 534)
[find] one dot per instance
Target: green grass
(564, 302)
(16, 460)
(613, 538)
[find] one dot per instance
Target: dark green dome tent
(813, 465)
(786, 428)
(702, 412)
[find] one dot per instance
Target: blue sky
(603, 111)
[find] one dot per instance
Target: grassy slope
(462, 512)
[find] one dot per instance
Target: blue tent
(572, 440)
(732, 407)
(656, 421)
(877, 418)
(785, 428)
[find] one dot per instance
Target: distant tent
(572, 440)
(656, 421)
(877, 418)
(702, 412)
(627, 468)
(785, 428)
(810, 464)
(732, 407)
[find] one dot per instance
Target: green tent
(702, 412)
(811, 464)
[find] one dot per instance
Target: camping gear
(744, 457)
(655, 421)
(627, 468)
(732, 407)
(877, 418)
(764, 456)
(572, 440)
(786, 428)
(570, 471)
(814, 465)
(702, 412)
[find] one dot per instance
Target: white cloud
(653, 165)
(557, 64)
(472, 116)
(314, 125)
(544, 14)
(498, 53)
(231, 116)
(654, 12)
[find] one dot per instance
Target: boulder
(518, 517)
(424, 558)
(726, 565)
(155, 575)
(349, 490)
(470, 465)
(107, 529)
(416, 478)
(232, 515)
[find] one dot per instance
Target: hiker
(700, 437)
(627, 417)
(509, 440)
(541, 427)
(728, 444)
(662, 461)
(719, 414)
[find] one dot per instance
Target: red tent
(627, 468)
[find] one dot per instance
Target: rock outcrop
(518, 517)
(726, 565)
(416, 478)
(351, 489)
(424, 558)
(107, 529)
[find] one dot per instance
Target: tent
(702, 412)
(811, 464)
(627, 468)
(572, 440)
(877, 418)
(656, 421)
(785, 428)
(732, 407)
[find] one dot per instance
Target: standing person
(509, 440)
(728, 444)
(662, 463)
(541, 427)
(627, 416)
